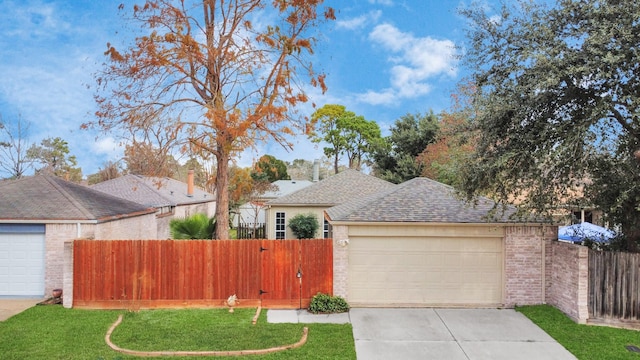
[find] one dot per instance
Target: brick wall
(133, 228)
(340, 261)
(526, 263)
(55, 237)
(567, 287)
(59, 246)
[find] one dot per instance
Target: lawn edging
(107, 338)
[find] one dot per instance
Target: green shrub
(325, 303)
(197, 226)
(304, 226)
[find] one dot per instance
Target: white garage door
(425, 271)
(21, 264)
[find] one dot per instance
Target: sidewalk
(305, 317)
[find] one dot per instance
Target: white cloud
(360, 21)
(383, 97)
(381, 2)
(416, 61)
(32, 20)
(108, 146)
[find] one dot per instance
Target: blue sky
(383, 59)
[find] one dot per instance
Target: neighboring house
(253, 212)
(172, 199)
(39, 213)
(315, 199)
(417, 244)
(568, 215)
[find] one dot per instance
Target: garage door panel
(428, 271)
(21, 264)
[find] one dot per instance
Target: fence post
(583, 285)
(67, 275)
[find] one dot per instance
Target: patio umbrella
(584, 231)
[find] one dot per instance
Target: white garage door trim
(426, 271)
(22, 250)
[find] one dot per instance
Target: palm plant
(197, 226)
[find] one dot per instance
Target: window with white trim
(281, 227)
(327, 229)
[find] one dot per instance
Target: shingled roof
(417, 200)
(152, 191)
(49, 198)
(337, 189)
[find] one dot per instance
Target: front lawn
(52, 332)
(586, 342)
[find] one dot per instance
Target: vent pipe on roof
(316, 170)
(190, 183)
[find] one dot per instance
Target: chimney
(190, 183)
(316, 170)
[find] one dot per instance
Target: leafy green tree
(395, 158)
(53, 155)
(196, 226)
(270, 169)
(557, 106)
(444, 159)
(304, 226)
(346, 134)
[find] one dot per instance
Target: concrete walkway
(10, 307)
(429, 334)
(305, 317)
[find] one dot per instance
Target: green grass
(52, 332)
(586, 342)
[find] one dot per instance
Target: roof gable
(337, 189)
(45, 197)
(417, 200)
(152, 191)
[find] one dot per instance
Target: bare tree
(14, 159)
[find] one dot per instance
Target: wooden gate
(294, 271)
(183, 273)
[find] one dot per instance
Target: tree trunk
(222, 196)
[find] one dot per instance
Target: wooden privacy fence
(252, 231)
(180, 273)
(614, 285)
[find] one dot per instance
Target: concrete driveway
(10, 307)
(452, 334)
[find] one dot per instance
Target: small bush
(325, 303)
(304, 226)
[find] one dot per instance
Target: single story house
(315, 199)
(39, 213)
(253, 212)
(172, 199)
(417, 244)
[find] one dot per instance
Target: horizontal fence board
(179, 273)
